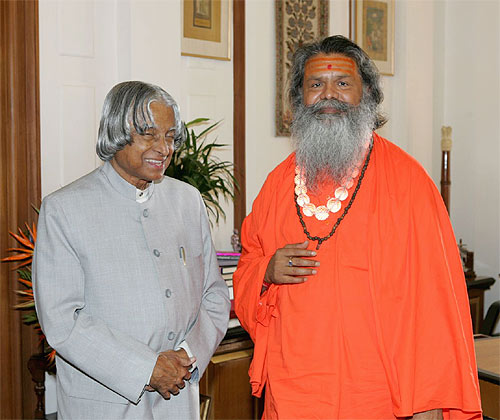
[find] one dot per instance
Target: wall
(472, 108)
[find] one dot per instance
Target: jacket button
(145, 212)
(168, 293)
(171, 335)
(156, 252)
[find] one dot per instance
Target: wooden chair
(491, 319)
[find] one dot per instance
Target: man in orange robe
(372, 320)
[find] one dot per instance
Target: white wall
(263, 150)
(409, 93)
(472, 108)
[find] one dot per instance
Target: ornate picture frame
(297, 22)
(372, 28)
(206, 29)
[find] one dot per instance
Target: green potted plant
(194, 163)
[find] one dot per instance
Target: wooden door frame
(239, 110)
(20, 188)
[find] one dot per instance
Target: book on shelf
(233, 323)
(232, 314)
(228, 262)
(225, 255)
(228, 270)
(227, 276)
(227, 265)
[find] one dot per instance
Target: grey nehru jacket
(116, 282)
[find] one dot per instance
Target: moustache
(338, 106)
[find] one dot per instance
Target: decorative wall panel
(297, 22)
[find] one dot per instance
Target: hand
(170, 372)
(278, 270)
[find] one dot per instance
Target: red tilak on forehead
(317, 64)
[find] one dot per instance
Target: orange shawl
(383, 330)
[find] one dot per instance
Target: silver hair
(128, 104)
(340, 45)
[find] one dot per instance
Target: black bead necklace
(346, 210)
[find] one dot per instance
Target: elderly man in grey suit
(126, 281)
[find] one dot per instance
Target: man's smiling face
(149, 154)
(328, 76)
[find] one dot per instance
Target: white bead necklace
(333, 204)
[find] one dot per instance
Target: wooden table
(226, 380)
(488, 364)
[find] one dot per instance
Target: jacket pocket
(76, 384)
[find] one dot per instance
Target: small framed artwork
(372, 28)
(206, 28)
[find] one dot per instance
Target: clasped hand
(279, 271)
(171, 370)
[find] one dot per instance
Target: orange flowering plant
(23, 256)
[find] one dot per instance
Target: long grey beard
(328, 145)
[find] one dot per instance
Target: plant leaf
(196, 121)
(194, 163)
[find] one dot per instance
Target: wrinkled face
(328, 76)
(147, 157)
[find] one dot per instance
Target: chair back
(491, 319)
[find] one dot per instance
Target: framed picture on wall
(372, 28)
(206, 28)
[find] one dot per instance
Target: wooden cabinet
(488, 364)
(226, 380)
(476, 287)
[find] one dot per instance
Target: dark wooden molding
(239, 111)
(445, 178)
(446, 144)
(20, 188)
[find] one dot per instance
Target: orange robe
(383, 330)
